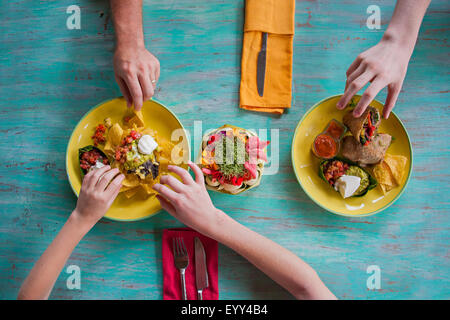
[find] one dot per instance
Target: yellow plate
(156, 116)
(306, 165)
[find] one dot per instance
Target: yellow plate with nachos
(137, 199)
(306, 165)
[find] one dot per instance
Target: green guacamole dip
(135, 158)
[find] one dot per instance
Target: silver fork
(181, 259)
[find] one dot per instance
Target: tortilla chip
(150, 132)
(384, 177)
(137, 119)
(148, 189)
(131, 180)
(397, 165)
(109, 150)
(115, 134)
(130, 192)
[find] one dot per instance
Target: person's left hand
(99, 189)
(383, 65)
(189, 201)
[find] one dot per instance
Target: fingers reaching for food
(188, 201)
(383, 65)
(137, 72)
(99, 189)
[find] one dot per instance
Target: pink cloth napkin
(171, 275)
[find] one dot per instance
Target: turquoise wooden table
(50, 76)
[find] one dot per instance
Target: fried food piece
(397, 165)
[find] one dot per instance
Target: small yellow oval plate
(156, 116)
(306, 165)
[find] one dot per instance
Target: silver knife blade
(201, 273)
(261, 65)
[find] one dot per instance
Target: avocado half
(372, 181)
(86, 149)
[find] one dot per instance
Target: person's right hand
(137, 72)
(189, 201)
(98, 191)
(383, 65)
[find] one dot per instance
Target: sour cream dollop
(147, 144)
(347, 185)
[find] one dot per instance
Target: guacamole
(358, 172)
(135, 158)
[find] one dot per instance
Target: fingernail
(339, 105)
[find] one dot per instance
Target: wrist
(399, 37)
(80, 222)
(220, 225)
(130, 43)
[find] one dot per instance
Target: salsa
(333, 170)
(335, 129)
(90, 158)
(126, 146)
(99, 135)
(325, 146)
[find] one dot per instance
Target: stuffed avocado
(91, 157)
(346, 177)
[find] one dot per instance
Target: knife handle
(200, 295)
(264, 41)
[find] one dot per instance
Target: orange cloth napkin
(275, 17)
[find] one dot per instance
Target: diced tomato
(99, 136)
(334, 170)
(90, 158)
(135, 135)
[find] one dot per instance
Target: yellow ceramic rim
(336, 212)
(70, 139)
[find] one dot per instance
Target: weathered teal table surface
(50, 76)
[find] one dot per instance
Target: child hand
(98, 191)
(383, 65)
(188, 201)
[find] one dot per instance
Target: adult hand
(98, 191)
(188, 201)
(383, 65)
(137, 72)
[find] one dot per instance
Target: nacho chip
(397, 165)
(137, 119)
(131, 192)
(115, 134)
(384, 177)
(109, 150)
(131, 180)
(148, 189)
